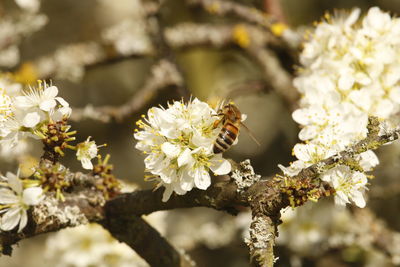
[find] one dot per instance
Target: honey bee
(231, 118)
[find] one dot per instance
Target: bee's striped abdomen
(225, 138)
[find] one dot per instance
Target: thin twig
(162, 75)
(274, 8)
(278, 78)
(223, 7)
(251, 39)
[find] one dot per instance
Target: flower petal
(23, 102)
(220, 166)
(10, 219)
(167, 193)
(7, 196)
(24, 220)
(32, 196)
(14, 182)
(50, 92)
(31, 120)
(170, 150)
(185, 157)
(62, 101)
(186, 180)
(86, 164)
(358, 199)
(202, 178)
(48, 104)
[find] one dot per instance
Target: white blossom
(15, 200)
(13, 27)
(86, 151)
(22, 113)
(178, 143)
(350, 71)
(29, 5)
(89, 245)
(348, 185)
(44, 98)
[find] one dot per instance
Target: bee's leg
(216, 123)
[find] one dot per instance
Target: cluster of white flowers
(129, 37)
(14, 27)
(68, 61)
(315, 229)
(23, 113)
(350, 70)
(15, 200)
(128, 32)
(89, 245)
(179, 141)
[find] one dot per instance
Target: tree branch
(262, 240)
(162, 75)
(222, 7)
(265, 197)
(53, 215)
(251, 39)
(146, 241)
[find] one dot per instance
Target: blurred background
(103, 53)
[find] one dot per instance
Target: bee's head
(232, 112)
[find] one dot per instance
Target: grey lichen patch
(262, 239)
(49, 213)
(93, 197)
(244, 176)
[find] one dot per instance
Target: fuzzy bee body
(225, 138)
(231, 120)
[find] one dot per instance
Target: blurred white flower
(350, 70)
(129, 37)
(13, 27)
(9, 56)
(86, 151)
(178, 141)
(89, 245)
(29, 5)
(15, 201)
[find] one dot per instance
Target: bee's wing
(250, 134)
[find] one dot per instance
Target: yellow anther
(214, 8)
(278, 28)
(241, 36)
